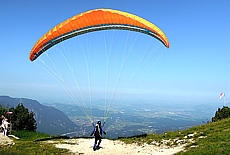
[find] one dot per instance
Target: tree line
(19, 117)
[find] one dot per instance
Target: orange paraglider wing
(95, 20)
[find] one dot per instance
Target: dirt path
(110, 147)
(5, 140)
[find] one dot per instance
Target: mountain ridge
(49, 119)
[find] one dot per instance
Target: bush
(221, 114)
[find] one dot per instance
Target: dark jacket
(97, 131)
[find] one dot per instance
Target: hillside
(212, 138)
(49, 119)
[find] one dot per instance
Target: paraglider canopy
(95, 20)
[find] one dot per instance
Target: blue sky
(194, 69)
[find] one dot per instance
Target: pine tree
(22, 119)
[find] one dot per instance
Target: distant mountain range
(49, 119)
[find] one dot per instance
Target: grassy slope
(217, 140)
(213, 138)
(26, 145)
